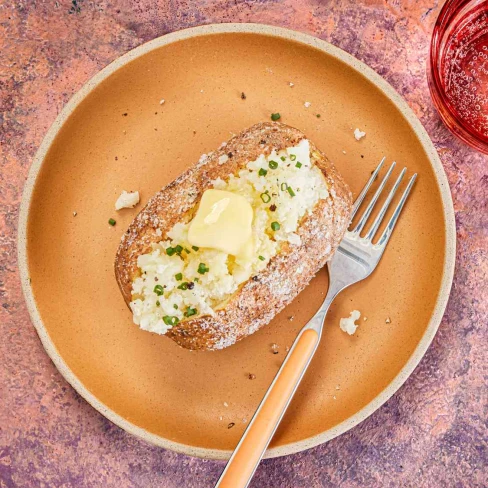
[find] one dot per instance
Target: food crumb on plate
(291, 84)
(338, 387)
(251, 376)
(348, 325)
(343, 152)
(226, 404)
(161, 101)
(127, 200)
(307, 104)
(75, 214)
(358, 134)
(388, 320)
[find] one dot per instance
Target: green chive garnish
(290, 191)
(262, 258)
(202, 268)
(273, 164)
(318, 116)
(275, 116)
(183, 286)
(265, 197)
(178, 249)
(293, 157)
(283, 158)
(169, 320)
(284, 187)
(158, 303)
(175, 306)
(196, 279)
(170, 251)
(179, 276)
(190, 311)
(159, 290)
(298, 165)
(187, 250)
(275, 226)
(111, 222)
(262, 172)
(195, 248)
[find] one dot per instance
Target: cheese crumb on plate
(359, 134)
(348, 325)
(127, 200)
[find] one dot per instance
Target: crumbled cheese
(348, 325)
(291, 84)
(359, 134)
(161, 101)
(343, 152)
(307, 104)
(226, 273)
(127, 200)
(223, 159)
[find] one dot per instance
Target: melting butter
(223, 221)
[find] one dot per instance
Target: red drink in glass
(458, 70)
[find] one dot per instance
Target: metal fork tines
(361, 249)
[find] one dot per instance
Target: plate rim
(370, 75)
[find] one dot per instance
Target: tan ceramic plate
(115, 135)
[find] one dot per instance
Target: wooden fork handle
(257, 436)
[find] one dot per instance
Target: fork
(355, 259)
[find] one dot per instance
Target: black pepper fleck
(125, 114)
(263, 141)
(230, 154)
(255, 278)
(272, 207)
(231, 425)
(243, 95)
(191, 285)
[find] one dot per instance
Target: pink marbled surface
(432, 433)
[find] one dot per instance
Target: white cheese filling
(179, 281)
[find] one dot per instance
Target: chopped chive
(175, 306)
(262, 258)
(158, 303)
(190, 311)
(169, 320)
(196, 279)
(275, 116)
(187, 250)
(178, 249)
(159, 290)
(112, 222)
(293, 157)
(202, 268)
(195, 248)
(284, 187)
(298, 165)
(265, 197)
(275, 226)
(273, 164)
(283, 158)
(179, 276)
(183, 286)
(170, 251)
(262, 172)
(290, 191)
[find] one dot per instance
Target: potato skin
(287, 273)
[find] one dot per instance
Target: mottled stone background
(432, 433)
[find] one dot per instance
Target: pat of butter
(223, 222)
